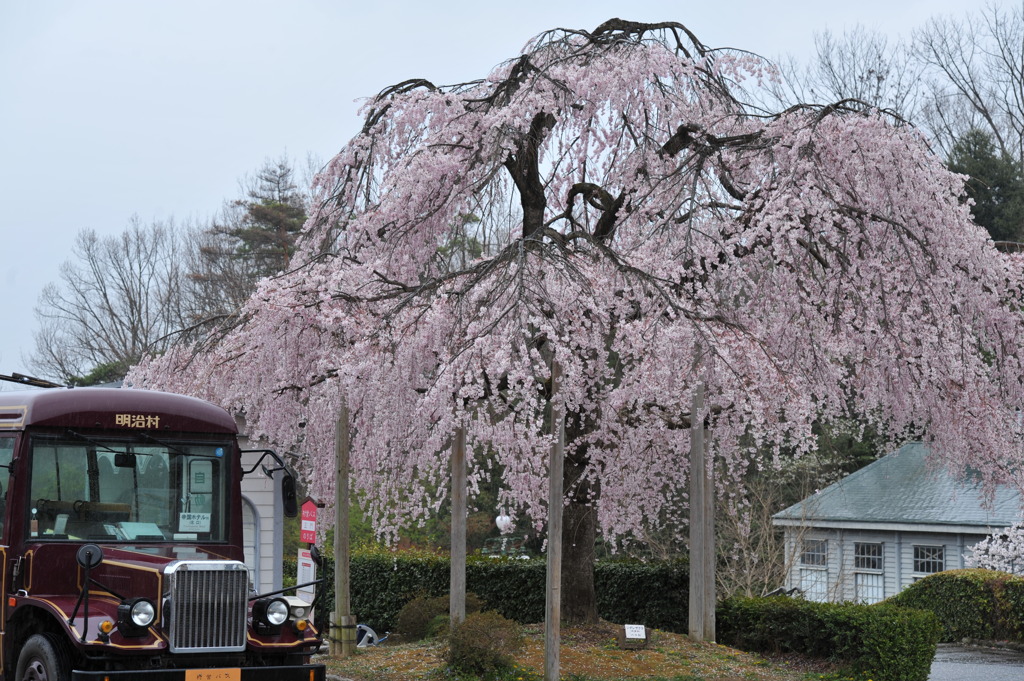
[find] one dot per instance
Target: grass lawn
(587, 654)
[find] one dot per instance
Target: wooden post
(710, 577)
(698, 525)
(553, 588)
(343, 632)
(457, 589)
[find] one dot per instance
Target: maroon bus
(121, 542)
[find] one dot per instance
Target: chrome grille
(206, 604)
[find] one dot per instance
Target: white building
(262, 519)
(889, 524)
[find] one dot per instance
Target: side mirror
(89, 556)
(288, 496)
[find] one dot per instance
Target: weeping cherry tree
(638, 221)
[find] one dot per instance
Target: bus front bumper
(312, 672)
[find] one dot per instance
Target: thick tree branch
(524, 168)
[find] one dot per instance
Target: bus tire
(43, 658)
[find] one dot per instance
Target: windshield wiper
(149, 438)
(94, 443)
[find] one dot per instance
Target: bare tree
(864, 65)
(955, 75)
(218, 281)
(118, 298)
(861, 65)
(751, 550)
(975, 70)
(122, 297)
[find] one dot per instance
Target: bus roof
(112, 409)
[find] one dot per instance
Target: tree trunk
(579, 599)
(579, 532)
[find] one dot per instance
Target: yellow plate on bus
(213, 675)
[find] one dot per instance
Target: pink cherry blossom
(644, 224)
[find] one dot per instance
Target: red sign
(308, 532)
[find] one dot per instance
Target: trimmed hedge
(973, 603)
(382, 582)
(512, 587)
(885, 642)
(654, 594)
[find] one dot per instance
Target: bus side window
(6, 454)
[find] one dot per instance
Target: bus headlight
(142, 612)
(135, 616)
(272, 612)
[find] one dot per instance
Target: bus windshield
(112, 490)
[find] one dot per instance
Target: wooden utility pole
(710, 575)
(457, 591)
(343, 630)
(702, 528)
(553, 588)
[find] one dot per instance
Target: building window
(813, 570)
(868, 561)
(815, 553)
(929, 559)
(813, 584)
(867, 556)
(869, 587)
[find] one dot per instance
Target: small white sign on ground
(633, 636)
(636, 631)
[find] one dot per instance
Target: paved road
(958, 663)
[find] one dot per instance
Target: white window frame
(813, 569)
(869, 587)
(817, 551)
(923, 560)
(814, 583)
(868, 571)
(870, 562)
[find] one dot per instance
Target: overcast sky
(156, 108)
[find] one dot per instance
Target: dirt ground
(590, 653)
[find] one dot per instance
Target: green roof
(902, 488)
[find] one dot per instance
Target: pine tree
(995, 185)
(270, 218)
(254, 238)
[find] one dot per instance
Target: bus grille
(207, 603)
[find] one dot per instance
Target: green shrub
(483, 643)
(427, 616)
(438, 626)
(975, 603)
(383, 581)
(513, 587)
(885, 642)
(415, 616)
(1013, 592)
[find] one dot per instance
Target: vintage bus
(121, 542)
